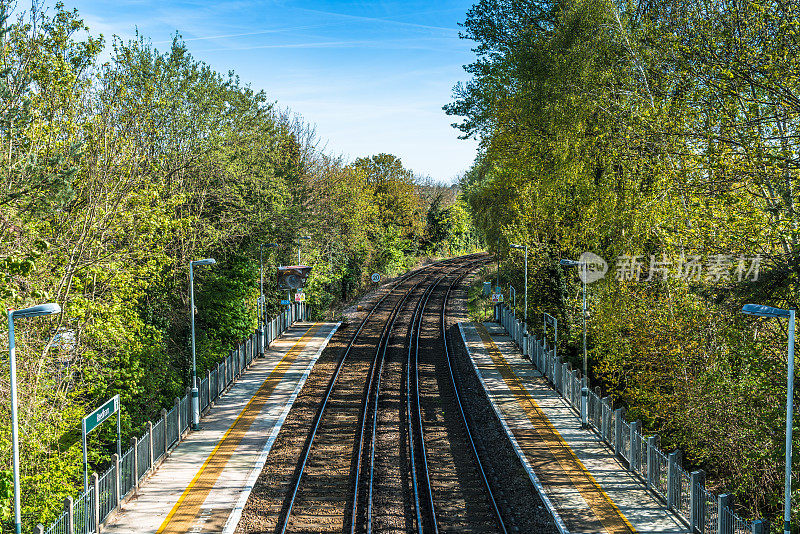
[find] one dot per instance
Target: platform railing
(120, 481)
(683, 492)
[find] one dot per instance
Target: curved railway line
(380, 440)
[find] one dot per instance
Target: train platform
(587, 487)
(204, 483)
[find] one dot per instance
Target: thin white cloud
(402, 44)
(363, 18)
(250, 34)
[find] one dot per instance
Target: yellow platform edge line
(496, 355)
(311, 330)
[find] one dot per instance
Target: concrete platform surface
(588, 488)
(204, 483)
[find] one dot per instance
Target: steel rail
(374, 380)
(413, 361)
(489, 493)
(417, 414)
(283, 525)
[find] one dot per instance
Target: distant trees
(659, 131)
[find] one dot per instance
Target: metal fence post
(566, 382)
(585, 402)
(724, 524)
(166, 428)
(572, 377)
(150, 443)
(188, 395)
(39, 529)
(697, 514)
(652, 444)
(96, 502)
(178, 419)
(235, 363)
(541, 356)
(618, 413)
(117, 484)
(525, 343)
(69, 507)
(634, 462)
(673, 484)
(208, 405)
(758, 527)
(135, 446)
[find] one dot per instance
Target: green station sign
(94, 419)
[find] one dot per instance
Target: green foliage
(117, 172)
(650, 128)
(6, 494)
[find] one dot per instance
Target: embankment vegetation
(662, 136)
(120, 163)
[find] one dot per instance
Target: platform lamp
(262, 301)
(261, 310)
(34, 311)
(525, 334)
(569, 264)
(768, 311)
(584, 389)
(195, 390)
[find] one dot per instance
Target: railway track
(461, 494)
(339, 415)
(389, 447)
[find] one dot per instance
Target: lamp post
(525, 248)
(768, 311)
(34, 311)
(584, 382)
(298, 246)
(195, 390)
(582, 265)
(262, 304)
(261, 274)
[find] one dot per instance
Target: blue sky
(372, 76)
